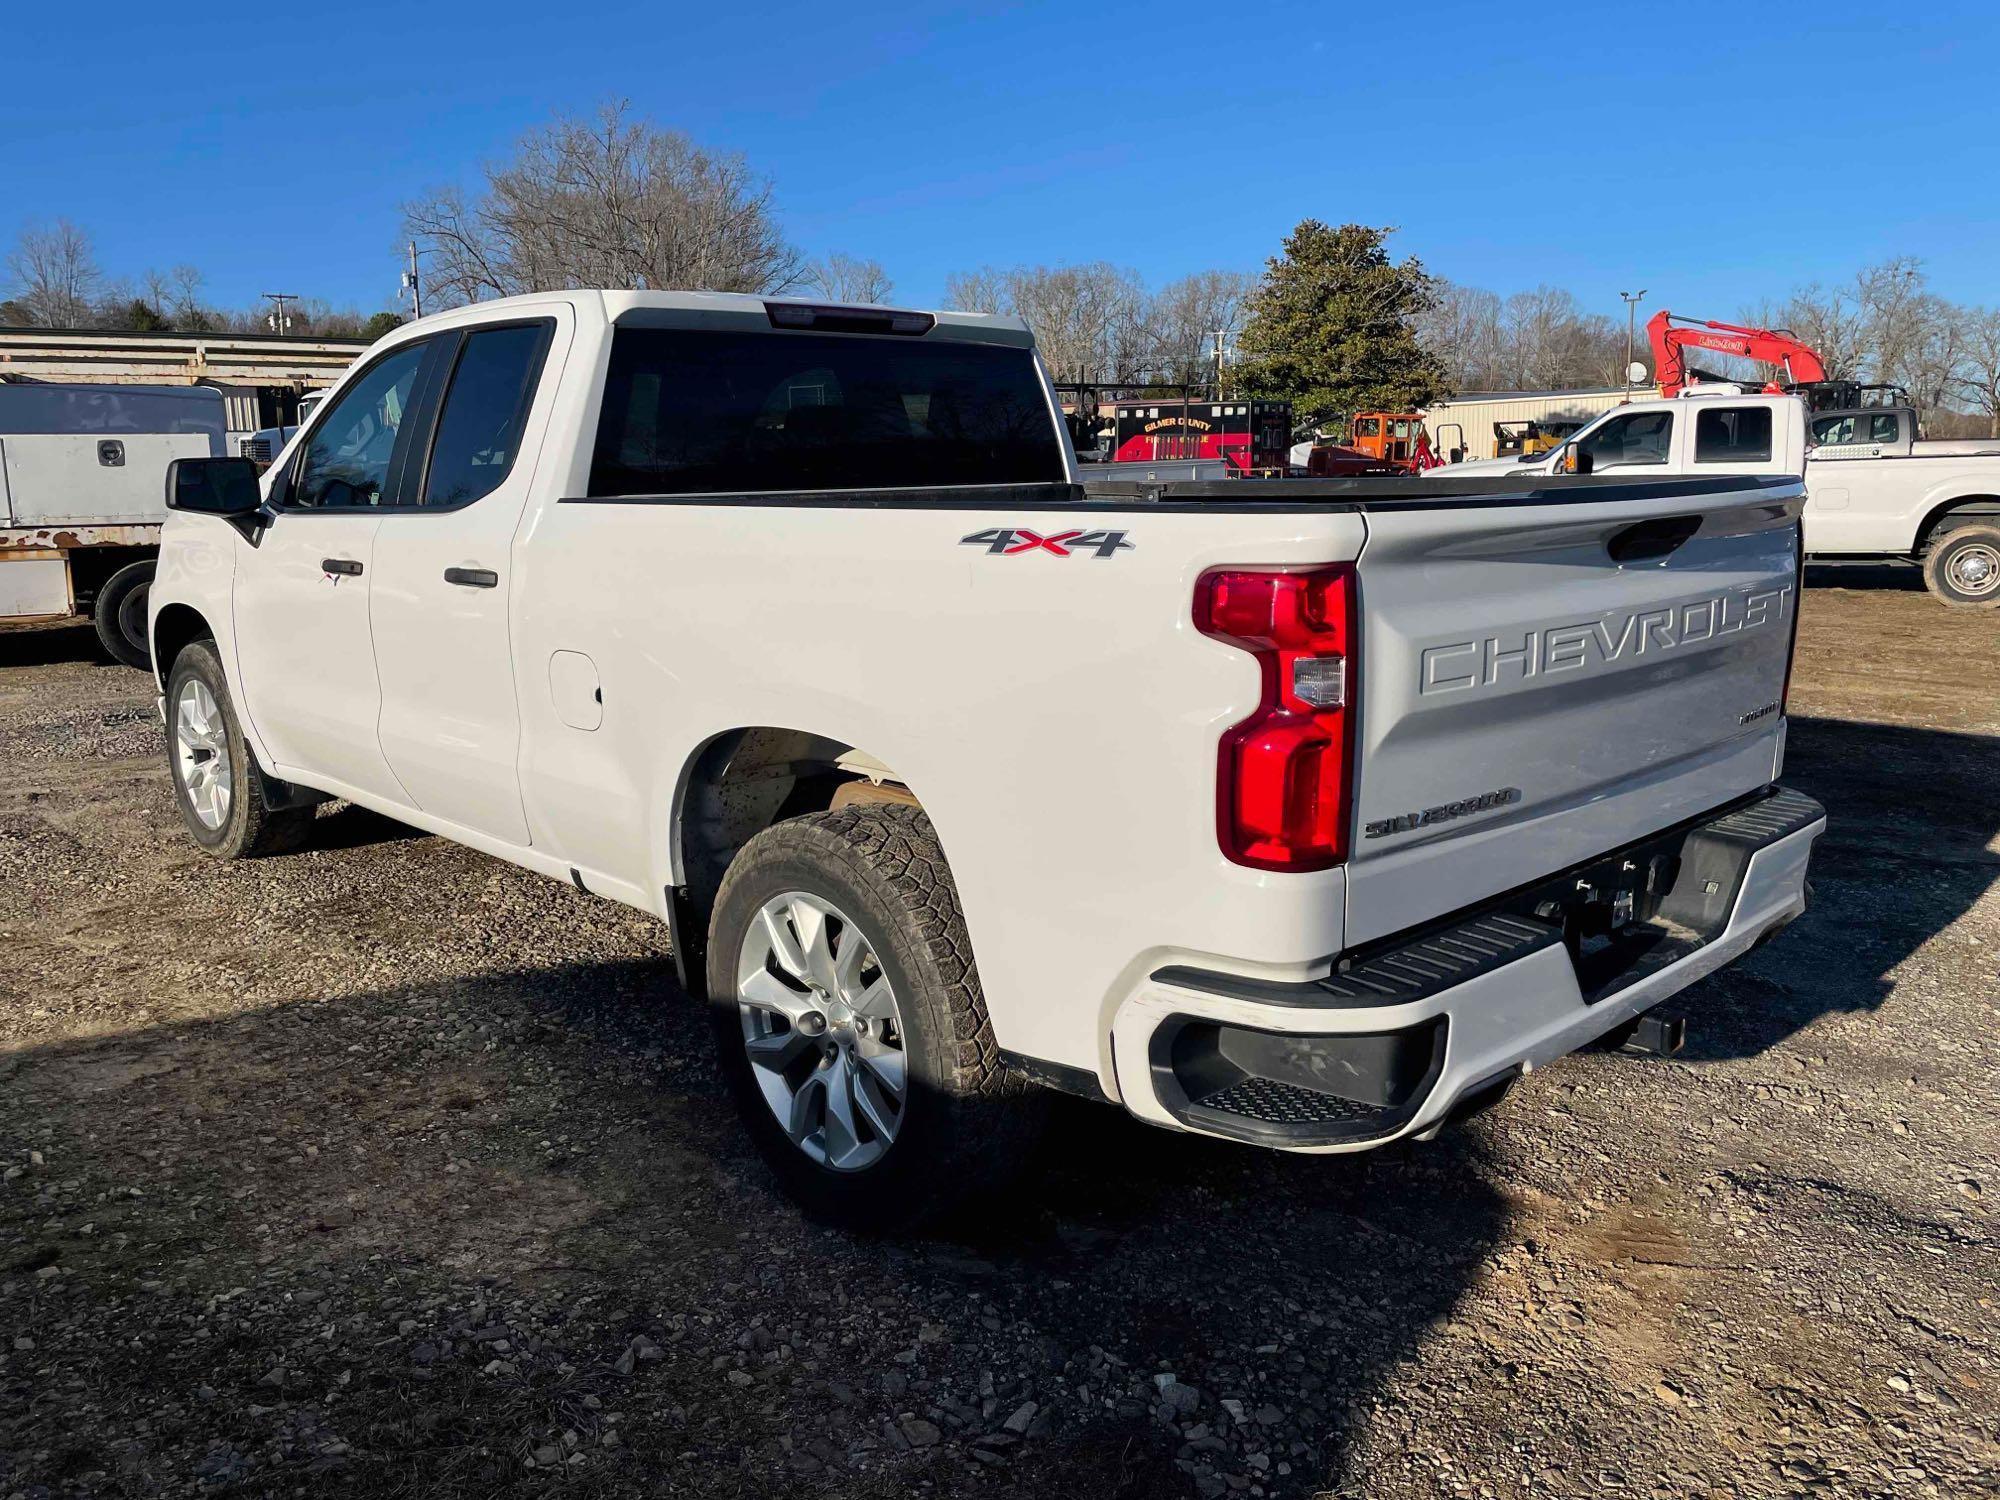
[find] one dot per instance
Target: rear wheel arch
(737, 784)
(1948, 514)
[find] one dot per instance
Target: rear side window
(1636, 438)
(485, 408)
(1732, 434)
(695, 412)
(1834, 430)
(1883, 428)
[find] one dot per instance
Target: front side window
(1640, 437)
(1732, 434)
(346, 460)
(695, 411)
(1831, 430)
(485, 408)
(1367, 427)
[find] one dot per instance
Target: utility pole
(1632, 301)
(279, 320)
(413, 285)
(1219, 333)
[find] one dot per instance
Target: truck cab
(1732, 433)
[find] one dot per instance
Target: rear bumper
(1406, 1033)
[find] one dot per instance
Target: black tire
(1962, 567)
(250, 827)
(967, 1120)
(120, 615)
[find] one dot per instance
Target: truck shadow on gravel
(1911, 816)
(46, 645)
(504, 1236)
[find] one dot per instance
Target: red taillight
(1284, 779)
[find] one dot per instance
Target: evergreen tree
(1332, 327)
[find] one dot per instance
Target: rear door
(443, 576)
(1546, 680)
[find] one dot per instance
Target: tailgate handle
(1649, 539)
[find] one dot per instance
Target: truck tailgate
(1545, 679)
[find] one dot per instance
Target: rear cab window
(1732, 434)
(698, 411)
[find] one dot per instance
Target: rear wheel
(120, 614)
(1962, 567)
(216, 781)
(851, 1025)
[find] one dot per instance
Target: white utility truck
(80, 498)
(1305, 813)
(1874, 488)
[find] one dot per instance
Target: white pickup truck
(1874, 489)
(1305, 813)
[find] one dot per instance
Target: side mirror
(213, 486)
(1573, 460)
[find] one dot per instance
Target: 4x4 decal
(1011, 541)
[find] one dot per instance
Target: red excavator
(1804, 371)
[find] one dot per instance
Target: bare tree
(1090, 321)
(1832, 322)
(1892, 301)
(1981, 380)
(1550, 344)
(56, 278)
(1462, 328)
(1932, 361)
(983, 291)
(609, 202)
(1184, 319)
(843, 278)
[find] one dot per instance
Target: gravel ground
(383, 1169)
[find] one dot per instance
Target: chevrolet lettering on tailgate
(1596, 644)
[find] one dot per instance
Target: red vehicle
(1251, 435)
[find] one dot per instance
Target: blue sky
(1715, 155)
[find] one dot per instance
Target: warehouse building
(1473, 421)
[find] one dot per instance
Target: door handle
(472, 578)
(346, 566)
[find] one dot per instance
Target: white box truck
(82, 474)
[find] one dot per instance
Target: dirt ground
(384, 1169)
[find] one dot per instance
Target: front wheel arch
(175, 628)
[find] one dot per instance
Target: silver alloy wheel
(201, 746)
(822, 1030)
(1974, 569)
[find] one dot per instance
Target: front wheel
(851, 1024)
(120, 614)
(1962, 567)
(216, 782)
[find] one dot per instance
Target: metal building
(1475, 414)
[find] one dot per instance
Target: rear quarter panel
(1057, 716)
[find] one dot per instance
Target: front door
(300, 604)
(442, 579)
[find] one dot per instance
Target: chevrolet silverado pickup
(1874, 488)
(1312, 814)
